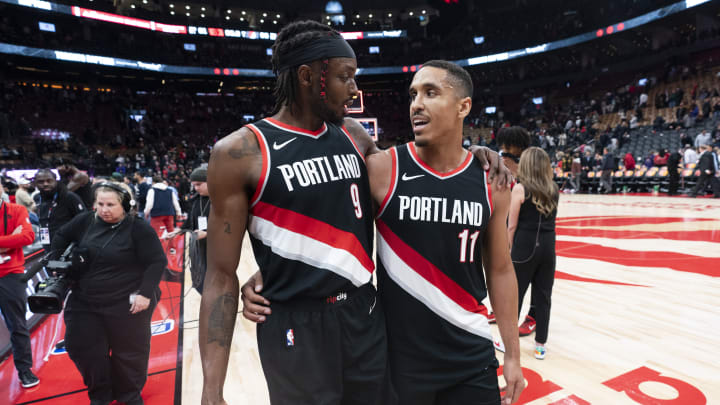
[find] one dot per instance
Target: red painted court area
(60, 382)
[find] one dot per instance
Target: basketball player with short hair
(439, 223)
(298, 183)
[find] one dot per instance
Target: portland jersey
(310, 223)
(431, 228)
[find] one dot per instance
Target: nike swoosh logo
(405, 177)
(277, 146)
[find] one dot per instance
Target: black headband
(322, 48)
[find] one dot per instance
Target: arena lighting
(194, 70)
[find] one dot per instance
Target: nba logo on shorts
(290, 337)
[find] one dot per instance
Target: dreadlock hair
(290, 37)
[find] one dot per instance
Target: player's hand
(17, 230)
(498, 174)
(514, 380)
(139, 304)
(255, 306)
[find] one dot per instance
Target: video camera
(50, 294)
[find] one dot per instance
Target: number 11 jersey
(310, 220)
(430, 231)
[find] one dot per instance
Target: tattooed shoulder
(245, 144)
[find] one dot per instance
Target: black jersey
(310, 222)
(430, 233)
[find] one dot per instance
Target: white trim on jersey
(295, 246)
(425, 292)
(265, 153)
(487, 194)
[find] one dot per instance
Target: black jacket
(706, 163)
(58, 211)
(124, 258)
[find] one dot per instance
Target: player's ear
(305, 76)
(464, 106)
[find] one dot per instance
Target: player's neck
(443, 156)
(299, 117)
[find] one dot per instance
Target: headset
(127, 201)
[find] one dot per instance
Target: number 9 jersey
(430, 231)
(310, 220)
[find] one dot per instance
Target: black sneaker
(28, 379)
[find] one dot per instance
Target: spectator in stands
(629, 161)
(674, 160)
(690, 156)
(686, 139)
(76, 181)
(56, 205)
(17, 232)
(608, 166)
(161, 206)
(702, 138)
(22, 197)
(108, 313)
(661, 158)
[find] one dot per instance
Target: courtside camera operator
(110, 305)
(16, 233)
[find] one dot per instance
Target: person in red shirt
(16, 233)
(629, 162)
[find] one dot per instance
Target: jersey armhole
(488, 190)
(265, 171)
(393, 182)
(347, 133)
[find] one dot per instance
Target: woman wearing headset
(531, 232)
(108, 312)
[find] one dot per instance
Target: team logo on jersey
(278, 146)
(290, 338)
(405, 177)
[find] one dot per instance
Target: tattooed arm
(232, 174)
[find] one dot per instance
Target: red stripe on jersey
(314, 229)
(393, 182)
(416, 157)
(264, 152)
(287, 127)
(347, 133)
(429, 272)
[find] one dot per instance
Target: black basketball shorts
(330, 351)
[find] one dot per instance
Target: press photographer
(110, 306)
(16, 233)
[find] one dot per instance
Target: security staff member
(197, 224)
(111, 304)
(16, 233)
(56, 205)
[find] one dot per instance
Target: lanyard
(202, 208)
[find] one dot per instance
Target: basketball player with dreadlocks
(297, 182)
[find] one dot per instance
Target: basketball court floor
(635, 307)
